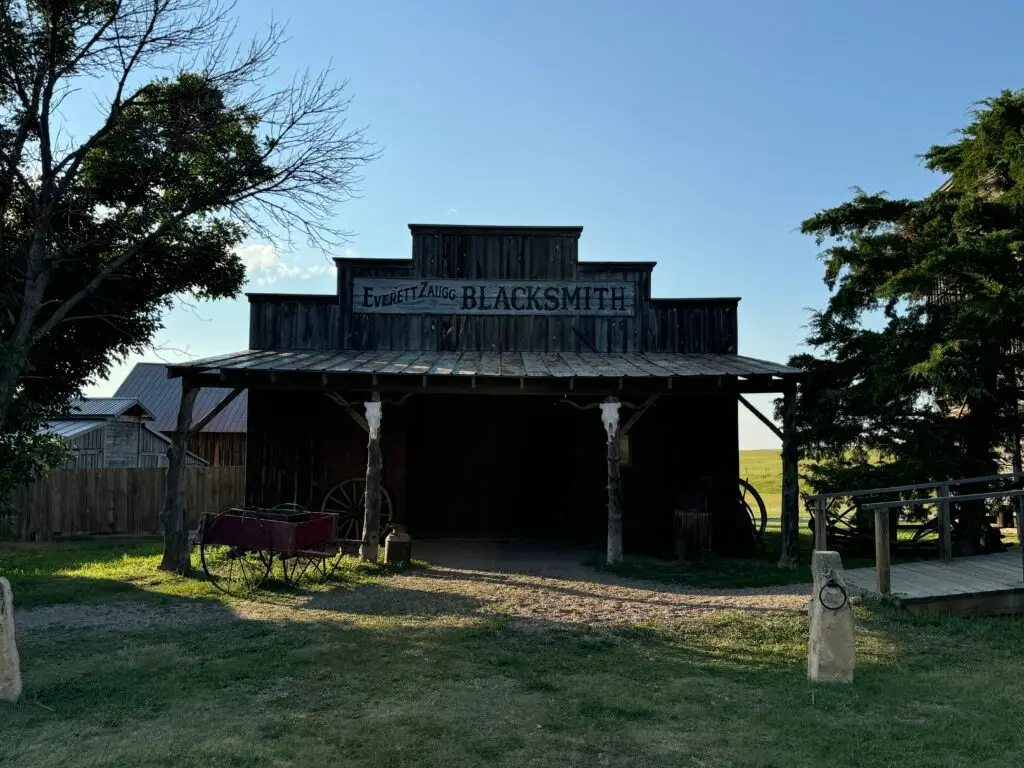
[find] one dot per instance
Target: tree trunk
(790, 555)
(610, 417)
(20, 341)
(371, 516)
(176, 550)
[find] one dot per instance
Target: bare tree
(194, 148)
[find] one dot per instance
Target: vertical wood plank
(820, 525)
(789, 556)
(883, 562)
(945, 530)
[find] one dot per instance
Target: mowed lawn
(125, 666)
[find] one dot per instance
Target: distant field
(763, 470)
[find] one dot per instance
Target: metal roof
(148, 383)
(68, 428)
(495, 364)
(102, 406)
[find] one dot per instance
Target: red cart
(238, 547)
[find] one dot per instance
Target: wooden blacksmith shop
(496, 386)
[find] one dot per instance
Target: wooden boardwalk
(983, 585)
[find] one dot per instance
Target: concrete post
(10, 668)
(832, 645)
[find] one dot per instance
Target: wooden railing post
(945, 524)
(1020, 527)
(820, 525)
(883, 563)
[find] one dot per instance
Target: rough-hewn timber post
(883, 559)
(790, 483)
(1018, 467)
(610, 418)
(820, 525)
(371, 515)
(172, 518)
(945, 531)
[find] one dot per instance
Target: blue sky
(698, 135)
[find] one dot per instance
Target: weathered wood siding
(117, 501)
(121, 444)
(328, 322)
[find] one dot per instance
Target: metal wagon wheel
(755, 507)
(233, 570)
(347, 500)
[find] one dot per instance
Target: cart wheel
(347, 500)
(754, 505)
(305, 568)
(233, 570)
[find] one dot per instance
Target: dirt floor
(534, 585)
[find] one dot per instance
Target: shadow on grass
(224, 689)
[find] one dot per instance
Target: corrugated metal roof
(148, 383)
(68, 428)
(497, 364)
(101, 406)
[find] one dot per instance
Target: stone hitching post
(10, 671)
(830, 652)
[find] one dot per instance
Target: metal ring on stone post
(833, 584)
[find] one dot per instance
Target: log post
(820, 525)
(371, 516)
(945, 529)
(790, 555)
(610, 419)
(172, 517)
(883, 562)
(1006, 512)
(1020, 527)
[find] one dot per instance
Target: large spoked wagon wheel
(233, 570)
(347, 500)
(756, 510)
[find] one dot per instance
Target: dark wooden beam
(356, 417)
(212, 413)
(764, 419)
(790, 554)
(646, 406)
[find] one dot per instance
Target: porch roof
(452, 366)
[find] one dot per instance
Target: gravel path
(536, 589)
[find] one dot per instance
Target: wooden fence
(119, 501)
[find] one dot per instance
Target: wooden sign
(491, 297)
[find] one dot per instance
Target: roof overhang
(488, 372)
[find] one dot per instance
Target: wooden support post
(371, 514)
(172, 518)
(945, 529)
(1018, 467)
(820, 525)
(1020, 528)
(883, 562)
(790, 555)
(610, 419)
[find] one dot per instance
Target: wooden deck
(983, 585)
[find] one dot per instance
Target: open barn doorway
(505, 467)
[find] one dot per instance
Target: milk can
(398, 545)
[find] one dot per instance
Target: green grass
(95, 571)
(301, 683)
